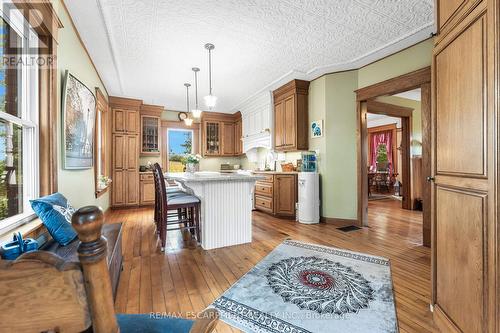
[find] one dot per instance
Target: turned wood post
(92, 252)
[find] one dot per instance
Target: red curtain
(377, 138)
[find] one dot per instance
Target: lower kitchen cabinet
(147, 189)
(276, 194)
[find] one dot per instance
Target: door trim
(418, 79)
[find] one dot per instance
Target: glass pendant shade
(210, 101)
(188, 121)
(196, 113)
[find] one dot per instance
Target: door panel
(119, 152)
(278, 124)
(289, 121)
(460, 220)
(461, 137)
(227, 139)
(132, 124)
(119, 120)
(118, 187)
(132, 188)
(132, 154)
(285, 195)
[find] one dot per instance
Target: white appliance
(308, 205)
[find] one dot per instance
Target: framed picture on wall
(317, 128)
(77, 124)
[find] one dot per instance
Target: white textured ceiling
(146, 48)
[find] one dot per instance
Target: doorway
(373, 100)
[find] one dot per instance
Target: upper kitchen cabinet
(150, 129)
(291, 126)
(125, 114)
(221, 134)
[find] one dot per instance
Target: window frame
(101, 138)
(28, 120)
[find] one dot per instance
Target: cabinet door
(446, 9)
(285, 190)
(279, 118)
(119, 120)
(211, 133)
(132, 152)
(150, 135)
(147, 193)
(119, 151)
(132, 181)
(132, 122)
(118, 188)
(227, 138)
(290, 122)
(462, 193)
(238, 144)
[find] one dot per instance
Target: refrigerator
(309, 201)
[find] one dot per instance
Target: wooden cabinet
(291, 127)
(276, 194)
(147, 189)
(465, 225)
(125, 149)
(228, 139)
(238, 136)
(221, 134)
(150, 129)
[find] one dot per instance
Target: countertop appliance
(309, 201)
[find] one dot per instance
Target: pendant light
(210, 99)
(196, 111)
(188, 121)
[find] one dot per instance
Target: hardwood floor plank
(186, 278)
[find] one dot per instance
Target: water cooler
(308, 179)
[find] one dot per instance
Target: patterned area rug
(302, 287)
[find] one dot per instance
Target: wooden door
(132, 153)
(212, 138)
(290, 122)
(238, 144)
(285, 194)
(228, 138)
(119, 152)
(132, 182)
(119, 116)
(279, 118)
(119, 188)
(462, 193)
(147, 193)
(132, 122)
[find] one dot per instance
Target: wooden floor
(185, 279)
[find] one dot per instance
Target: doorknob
(430, 179)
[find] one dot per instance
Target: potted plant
(192, 162)
(382, 160)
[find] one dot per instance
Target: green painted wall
(406, 61)
(77, 185)
(332, 98)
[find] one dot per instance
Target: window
(18, 122)
(180, 144)
(101, 164)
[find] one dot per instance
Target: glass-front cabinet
(212, 144)
(150, 135)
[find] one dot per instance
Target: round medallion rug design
(320, 285)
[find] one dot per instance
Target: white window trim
(28, 120)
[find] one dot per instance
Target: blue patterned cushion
(55, 212)
(146, 323)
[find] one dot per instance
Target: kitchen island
(226, 205)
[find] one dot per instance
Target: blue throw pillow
(55, 212)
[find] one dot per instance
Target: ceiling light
(188, 121)
(196, 111)
(210, 99)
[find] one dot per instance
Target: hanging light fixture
(210, 99)
(188, 120)
(196, 111)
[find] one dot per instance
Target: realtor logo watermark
(20, 46)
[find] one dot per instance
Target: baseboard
(338, 222)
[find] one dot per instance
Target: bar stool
(185, 207)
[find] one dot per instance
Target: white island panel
(226, 206)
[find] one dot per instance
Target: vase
(191, 167)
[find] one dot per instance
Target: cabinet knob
(430, 179)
